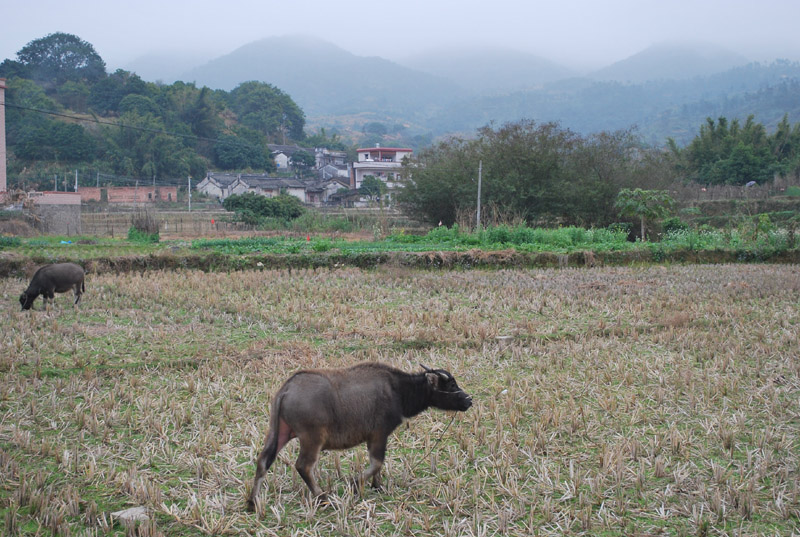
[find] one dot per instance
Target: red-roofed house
(384, 163)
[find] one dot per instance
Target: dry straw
(628, 401)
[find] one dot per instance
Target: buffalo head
(26, 300)
(445, 391)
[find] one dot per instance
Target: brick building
(128, 194)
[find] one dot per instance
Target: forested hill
(64, 109)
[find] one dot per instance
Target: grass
(627, 401)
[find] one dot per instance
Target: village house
(326, 157)
(217, 185)
(282, 155)
(384, 163)
(269, 186)
(331, 171)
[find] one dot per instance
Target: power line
(109, 123)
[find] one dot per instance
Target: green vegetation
(136, 235)
(129, 127)
(733, 154)
(646, 205)
(254, 209)
(538, 173)
(753, 241)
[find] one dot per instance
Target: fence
(688, 193)
(171, 224)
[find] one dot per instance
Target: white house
(269, 186)
(217, 185)
(384, 163)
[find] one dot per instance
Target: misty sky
(578, 33)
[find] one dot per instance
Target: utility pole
(480, 170)
(76, 180)
(3, 177)
(190, 193)
(98, 179)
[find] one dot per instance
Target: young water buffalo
(55, 278)
(341, 408)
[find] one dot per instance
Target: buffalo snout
(24, 302)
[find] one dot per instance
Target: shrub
(793, 191)
(673, 224)
(144, 228)
(142, 237)
(9, 242)
(253, 209)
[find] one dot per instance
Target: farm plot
(626, 401)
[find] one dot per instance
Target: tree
(268, 110)
(730, 153)
(321, 139)
(372, 186)
(234, 153)
(59, 57)
(303, 161)
(541, 172)
(139, 146)
(644, 204)
(106, 94)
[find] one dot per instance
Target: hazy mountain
(671, 61)
(658, 108)
(665, 90)
(324, 79)
(487, 70)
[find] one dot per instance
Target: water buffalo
(55, 278)
(341, 408)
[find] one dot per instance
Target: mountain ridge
(457, 93)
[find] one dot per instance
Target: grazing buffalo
(341, 408)
(55, 278)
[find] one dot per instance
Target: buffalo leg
(377, 454)
(273, 444)
(77, 293)
(306, 460)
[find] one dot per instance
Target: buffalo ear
(433, 379)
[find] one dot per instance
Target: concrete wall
(58, 219)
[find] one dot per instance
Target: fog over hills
(324, 79)
(676, 60)
(665, 90)
(483, 71)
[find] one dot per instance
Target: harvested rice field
(607, 401)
